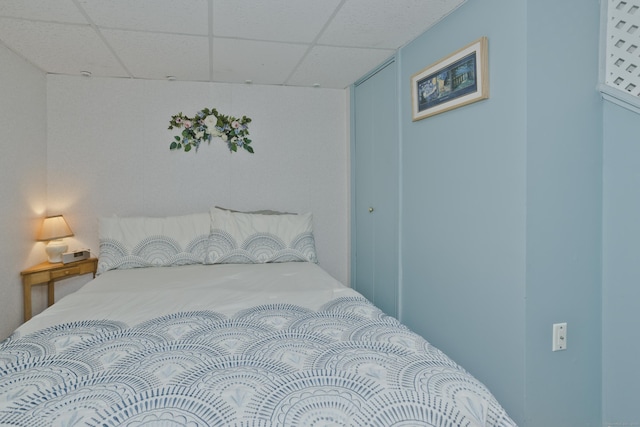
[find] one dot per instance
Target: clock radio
(68, 257)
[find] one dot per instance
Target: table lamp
(54, 229)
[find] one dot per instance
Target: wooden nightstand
(49, 273)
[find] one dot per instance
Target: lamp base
(55, 249)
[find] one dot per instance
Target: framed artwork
(456, 80)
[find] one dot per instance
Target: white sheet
(138, 294)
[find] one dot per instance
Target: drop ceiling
(326, 43)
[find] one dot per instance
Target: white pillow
(250, 238)
(151, 242)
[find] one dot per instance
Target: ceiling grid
(328, 43)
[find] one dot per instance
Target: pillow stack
(220, 236)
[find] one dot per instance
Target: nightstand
(49, 273)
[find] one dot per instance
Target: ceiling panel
(237, 61)
(297, 21)
(337, 67)
(60, 49)
(164, 16)
(158, 55)
(383, 24)
(42, 10)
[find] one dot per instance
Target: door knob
(370, 210)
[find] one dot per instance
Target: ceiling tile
(297, 21)
(236, 61)
(171, 16)
(156, 56)
(60, 48)
(373, 23)
(42, 10)
(337, 67)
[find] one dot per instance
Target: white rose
(210, 121)
(224, 137)
(199, 134)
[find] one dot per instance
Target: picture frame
(458, 79)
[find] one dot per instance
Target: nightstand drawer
(39, 277)
(57, 274)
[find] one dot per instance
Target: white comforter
(230, 345)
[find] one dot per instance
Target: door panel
(376, 177)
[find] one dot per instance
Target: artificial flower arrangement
(207, 124)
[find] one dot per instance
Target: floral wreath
(206, 124)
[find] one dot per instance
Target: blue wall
(621, 267)
(464, 201)
(564, 205)
(501, 208)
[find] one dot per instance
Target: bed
(192, 323)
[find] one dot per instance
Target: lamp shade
(53, 228)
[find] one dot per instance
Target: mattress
(279, 344)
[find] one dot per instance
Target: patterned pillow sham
(153, 242)
(250, 238)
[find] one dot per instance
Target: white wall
(108, 153)
(23, 180)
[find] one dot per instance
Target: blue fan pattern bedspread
(347, 364)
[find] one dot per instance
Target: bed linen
(230, 345)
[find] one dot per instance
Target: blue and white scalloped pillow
(134, 242)
(251, 238)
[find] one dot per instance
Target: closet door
(376, 188)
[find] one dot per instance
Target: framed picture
(456, 80)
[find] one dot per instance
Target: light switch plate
(559, 336)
